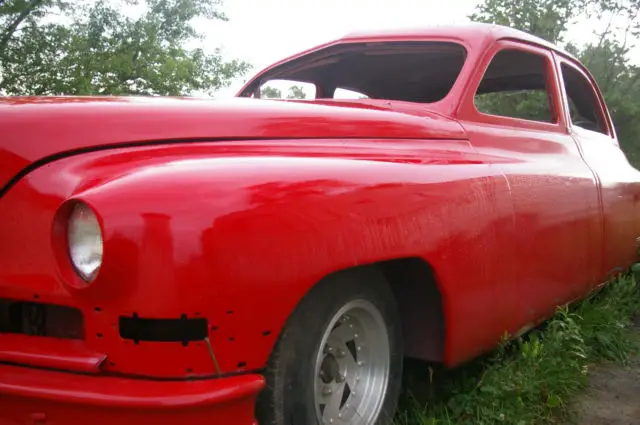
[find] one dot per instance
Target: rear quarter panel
(238, 232)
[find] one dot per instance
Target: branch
(606, 31)
(597, 47)
(19, 19)
(628, 29)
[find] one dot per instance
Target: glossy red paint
(57, 398)
(238, 195)
(232, 211)
(98, 122)
(52, 353)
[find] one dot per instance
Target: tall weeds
(530, 380)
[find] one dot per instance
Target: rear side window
(341, 93)
(514, 86)
(287, 89)
(584, 106)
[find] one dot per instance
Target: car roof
(468, 31)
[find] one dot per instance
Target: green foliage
(269, 92)
(547, 19)
(296, 92)
(619, 81)
(605, 319)
(525, 104)
(50, 47)
(607, 58)
(532, 379)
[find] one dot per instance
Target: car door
(513, 113)
(590, 125)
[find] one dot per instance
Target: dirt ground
(613, 397)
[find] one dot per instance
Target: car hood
(36, 130)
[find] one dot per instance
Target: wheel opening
(413, 283)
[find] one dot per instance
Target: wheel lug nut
(340, 378)
(326, 391)
(341, 353)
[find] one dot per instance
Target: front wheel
(339, 358)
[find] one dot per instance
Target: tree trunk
(8, 33)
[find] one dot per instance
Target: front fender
(239, 239)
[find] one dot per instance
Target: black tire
(288, 398)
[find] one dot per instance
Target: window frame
(595, 90)
(468, 110)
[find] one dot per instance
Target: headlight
(84, 239)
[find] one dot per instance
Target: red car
(172, 261)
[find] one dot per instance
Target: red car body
(224, 214)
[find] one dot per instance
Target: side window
(286, 89)
(514, 86)
(341, 93)
(584, 106)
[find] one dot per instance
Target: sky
(265, 31)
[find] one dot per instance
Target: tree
(296, 92)
(270, 93)
(607, 58)
(50, 47)
(548, 19)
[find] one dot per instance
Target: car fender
(239, 239)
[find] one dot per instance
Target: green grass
(530, 380)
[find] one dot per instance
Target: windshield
(421, 71)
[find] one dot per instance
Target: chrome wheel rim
(352, 366)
